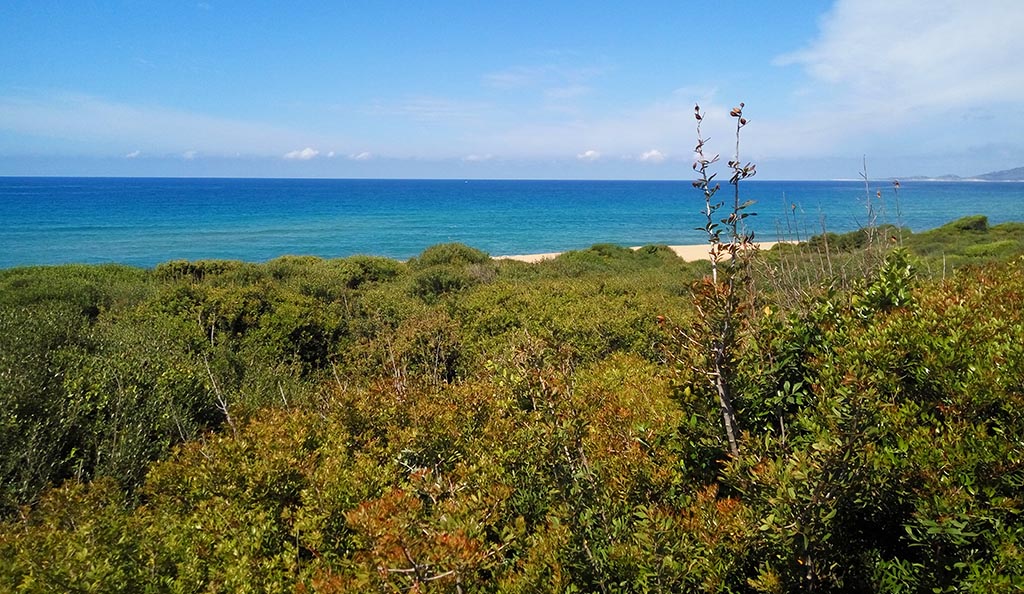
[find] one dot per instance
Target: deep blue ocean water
(143, 221)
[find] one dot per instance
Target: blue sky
(528, 89)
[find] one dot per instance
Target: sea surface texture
(143, 222)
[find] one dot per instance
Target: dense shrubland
(459, 424)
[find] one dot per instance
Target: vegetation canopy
(461, 424)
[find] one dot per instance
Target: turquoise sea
(142, 221)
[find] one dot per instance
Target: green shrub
(975, 223)
(455, 254)
(996, 249)
(197, 271)
(38, 433)
(89, 288)
(372, 269)
(515, 430)
(432, 283)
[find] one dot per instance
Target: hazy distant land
(1012, 175)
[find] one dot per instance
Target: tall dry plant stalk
(724, 300)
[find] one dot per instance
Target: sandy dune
(689, 253)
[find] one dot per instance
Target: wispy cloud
(478, 158)
(628, 131)
(432, 110)
(567, 92)
(544, 75)
(556, 88)
(190, 155)
(652, 156)
(945, 53)
(892, 67)
(517, 77)
(363, 156)
(302, 155)
(589, 155)
(154, 130)
(133, 154)
(700, 94)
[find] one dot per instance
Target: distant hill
(947, 177)
(1016, 174)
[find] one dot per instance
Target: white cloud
(477, 158)
(902, 69)
(945, 52)
(133, 154)
(189, 155)
(652, 156)
(330, 154)
(363, 156)
(302, 155)
(589, 155)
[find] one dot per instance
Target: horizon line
(903, 179)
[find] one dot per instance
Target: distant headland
(1007, 175)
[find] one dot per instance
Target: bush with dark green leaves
(327, 426)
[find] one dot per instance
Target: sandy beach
(689, 253)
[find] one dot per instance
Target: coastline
(144, 222)
(687, 253)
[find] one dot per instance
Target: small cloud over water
(302, 155)
(652, 156)
(589, 155)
